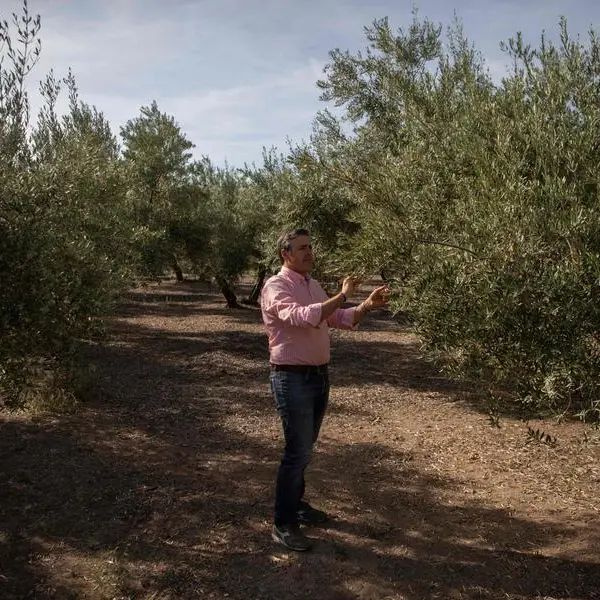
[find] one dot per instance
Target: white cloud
(258, 112)
(240, 74)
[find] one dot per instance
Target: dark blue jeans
(301, 400)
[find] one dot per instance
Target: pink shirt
(291, 310)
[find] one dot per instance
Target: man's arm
(359, 313)
(332, 314)
(350, 317)
(330, 306)
(277, 299)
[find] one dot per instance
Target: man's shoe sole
(277, 539)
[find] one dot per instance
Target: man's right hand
(348, 286)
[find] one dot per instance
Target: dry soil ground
(160, 486)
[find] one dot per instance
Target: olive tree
(61, 235)
(480, 199)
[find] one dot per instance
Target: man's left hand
(378, 298)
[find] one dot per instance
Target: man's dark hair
(285, 239)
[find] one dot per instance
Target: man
(298, 314)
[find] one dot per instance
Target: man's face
(300, 256)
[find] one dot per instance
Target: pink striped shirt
(291, 311)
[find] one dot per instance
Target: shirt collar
(295, 276)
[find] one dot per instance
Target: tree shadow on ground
(400, 363)
(433, 541)
(167, 305)
(354, 362)
(173, 526)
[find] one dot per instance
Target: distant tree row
(476, 200)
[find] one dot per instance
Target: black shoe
(291, 537)
(307, 515)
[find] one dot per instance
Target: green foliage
(302, 193)
(19, 52)
(478, 200)
(61, 256)
(165, 196)
(190, 214)
(236, 213)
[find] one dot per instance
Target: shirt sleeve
(277, 300)
(342, 318)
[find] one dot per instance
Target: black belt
(320, 369)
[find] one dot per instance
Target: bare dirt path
(160, 485)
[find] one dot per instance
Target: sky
(240, 75)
